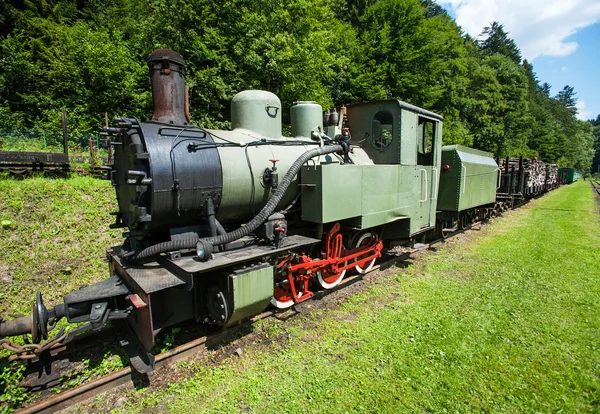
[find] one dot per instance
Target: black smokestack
(167, 74)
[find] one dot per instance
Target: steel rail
(595, 185)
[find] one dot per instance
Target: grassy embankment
(507, 322)
(53, 237)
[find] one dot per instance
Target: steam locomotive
(221, 224)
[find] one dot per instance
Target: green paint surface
(252, 292)
(370, 195)
(470, 180)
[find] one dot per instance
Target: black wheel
(441, 229)
(217, 306)
(472, 217)
(463, 221)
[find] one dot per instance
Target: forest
(89, 57)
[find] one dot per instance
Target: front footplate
(167, 291)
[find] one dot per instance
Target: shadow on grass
(566, 210)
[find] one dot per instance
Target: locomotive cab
(397, 192)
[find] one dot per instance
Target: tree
(545, 88)
(433, 9)
(509, 109)
(90, 56)
(49, 66)
(497, 41)
(567, 98)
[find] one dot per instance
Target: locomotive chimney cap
(161, 54)
(167, 76)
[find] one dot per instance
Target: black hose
(268, 209)
(220, 229)
(167, 246)
(212, 221)
(252, 225)
(288, 208)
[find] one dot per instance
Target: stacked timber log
(535, 172)
(527, 176)
(513, 165)
(552, 175)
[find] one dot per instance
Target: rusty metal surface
(167, 75)
(140, 320)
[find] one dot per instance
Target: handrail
(499, 178)
(426, 192)
(464, 181)
(437, 183)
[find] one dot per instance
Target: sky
(560, 38)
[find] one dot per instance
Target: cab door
(429, 143)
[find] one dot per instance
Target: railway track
(87, 391)
(596, 186)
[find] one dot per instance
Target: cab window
(382, 131)
(425, 141)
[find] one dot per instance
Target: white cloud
(540, 27)
(563, 69)
(582, 113)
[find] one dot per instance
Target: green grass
(506, 322)
(53, 237)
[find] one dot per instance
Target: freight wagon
(568, 175)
